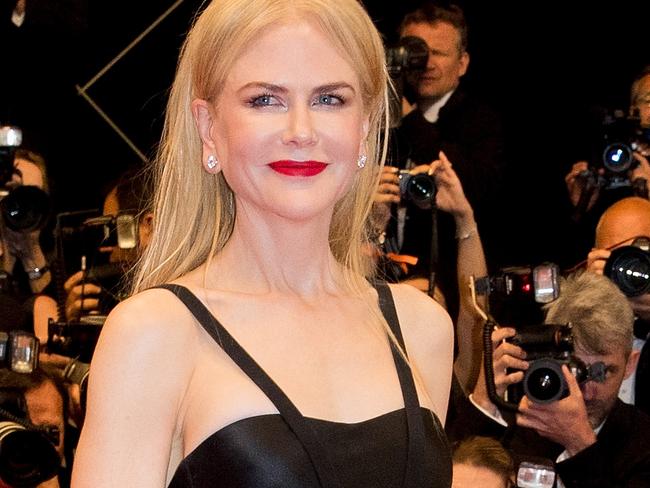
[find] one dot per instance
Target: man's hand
(564, 421)
(504, 355)
(575, 184)
(80, 296)
(596, 260)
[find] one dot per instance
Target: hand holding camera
(82, 296)
(564, 421)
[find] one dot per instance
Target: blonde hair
(194, 212)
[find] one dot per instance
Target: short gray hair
(600, 313)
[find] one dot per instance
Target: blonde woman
(267, 360)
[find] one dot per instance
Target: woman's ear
(203, 117)
(146, 228)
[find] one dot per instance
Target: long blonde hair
(194, 212)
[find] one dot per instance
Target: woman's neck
(277, 255)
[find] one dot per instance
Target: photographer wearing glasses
(128, 197)
(591, 437)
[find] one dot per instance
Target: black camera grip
(488, 368)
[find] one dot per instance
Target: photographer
(593, 438)
(130, 194)
(40, 399)
(25, 277)
(618, 165)
(619, 226)
(445, 117)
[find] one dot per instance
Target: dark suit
(470, 134)
(619, 458)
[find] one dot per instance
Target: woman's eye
(263, 101)
(328, 99)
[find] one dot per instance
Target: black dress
(403, 448)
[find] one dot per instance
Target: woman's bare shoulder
(415, 307)
(425, 324)
(150, 320)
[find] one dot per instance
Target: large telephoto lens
(629, 268)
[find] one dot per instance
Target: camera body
(629, 267)
(419, 189)
(621, 136)
(547, 348)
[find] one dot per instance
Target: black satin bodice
(403, 448)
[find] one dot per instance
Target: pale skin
(290, 96)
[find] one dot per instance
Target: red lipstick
(298, 168)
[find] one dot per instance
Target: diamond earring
(212, 162)
(361, 162)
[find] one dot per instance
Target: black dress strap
(292, 416)
(294, 419)
(414, 418)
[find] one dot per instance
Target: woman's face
(288, 126)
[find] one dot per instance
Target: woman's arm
(429, 337)
(139, 372)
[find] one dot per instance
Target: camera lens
(27, 457)
(629, 268)
(544, 381)
(420, 189)
(618, 157)
(25, 208)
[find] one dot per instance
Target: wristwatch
(36, 273)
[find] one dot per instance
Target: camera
(28, 453)
(405, 62)
(407, 59)
(24, 208)
(547, 348)
(420, 189)
(621, 136)
(75, 339)
(629, 267)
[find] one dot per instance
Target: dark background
(548, 68)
